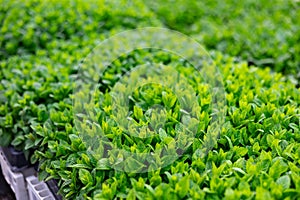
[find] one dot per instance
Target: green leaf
(239, 170)
(42, 115)
(277, 168)
(168, 99)
(262, 193)
(103, 164)
(138, 112)
(18, 140)
(284, 181)
(182, 187)
(162, 134)
(85, 176)
(79, 166)
(133, 165)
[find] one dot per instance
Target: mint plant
(256, 155)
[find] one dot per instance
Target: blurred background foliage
(264, 33)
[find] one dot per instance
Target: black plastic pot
(15, 158)
(53, 186)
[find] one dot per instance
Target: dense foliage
(263, 33)
(257, 154)
(31, 79)
(30, 25)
